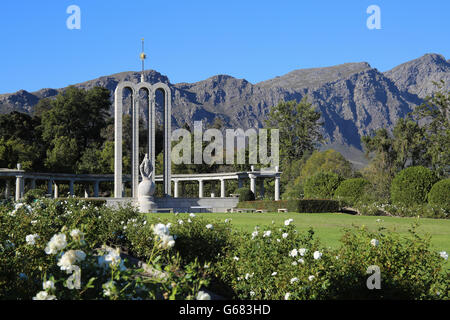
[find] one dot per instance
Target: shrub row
(303, 205)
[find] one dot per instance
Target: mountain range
(353, 98)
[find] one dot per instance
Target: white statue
(146, 188)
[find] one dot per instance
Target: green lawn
(328, 226)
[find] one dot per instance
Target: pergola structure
(53, 179)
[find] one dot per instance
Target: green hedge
(304, 205)
(322, 185)
(351, 189)
(411, 185)
(245, 194)
(440, 193)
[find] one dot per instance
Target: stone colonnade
(21, 177)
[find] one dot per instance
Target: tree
(63, 154)
(299, 128)
(20, 141)
(434, 113)
(71, 124)
(77, 114)
(319, 161)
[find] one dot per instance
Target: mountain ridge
(354, 98)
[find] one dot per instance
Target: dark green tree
(434, 114)
(299, 127)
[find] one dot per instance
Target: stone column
(71, 188)
(222, 188)
(86, 194)
(50, 187)
(19, 187)
(175, 188)
(56, 193)
(252, 183)
(135, 147)
(96, 188)
(277, 188)
(7, 189)
(262, 189)
(200, 188)
(240, 184)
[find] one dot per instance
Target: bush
(245, 194)
(277, 262)
(25, 234)
(303, 205)
(351, 190)
(440, 194)
(33, 194)
(322, 185)
(411, 185)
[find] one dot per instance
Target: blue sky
(192, 40)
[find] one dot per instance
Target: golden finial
(143, 56)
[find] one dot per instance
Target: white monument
(135, 89)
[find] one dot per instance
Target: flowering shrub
(71, 249)
(56, 249)
(288, 265)
(400, 210)
(197, 238)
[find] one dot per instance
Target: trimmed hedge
(245, 194)
(411, 185)
(440, 193)
(303, 205)
(351, 189)
(322, 185)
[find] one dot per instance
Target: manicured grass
(328, 226)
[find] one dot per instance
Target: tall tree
(299, 127)
(434, 113)
(73, 122)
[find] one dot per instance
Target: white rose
(443, 254)
(43, 295)
(374, 242)
(57, 243)
(209, 226)
(317, 255)
(31, 238)
(77, 235)
(202, 295)
(293, 253)
(302, 251)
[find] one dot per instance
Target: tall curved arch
(118, 115)
(118, 109)
(164, 88)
